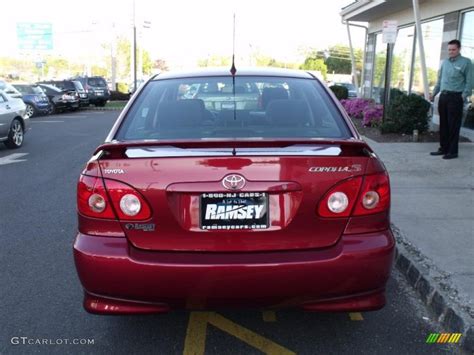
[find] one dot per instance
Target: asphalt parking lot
(41, 294)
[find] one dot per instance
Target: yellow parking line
(356, 316)
(269, 316)
(257, 341)
(195, 342)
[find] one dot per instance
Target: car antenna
(233, 70)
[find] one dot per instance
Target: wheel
(15, 136)
(30, 111)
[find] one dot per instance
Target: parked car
(35, 99)
(13, 122)
(9, 90)
(60, 99)
(193, 203)
(97, 89)
(73, 88)
(351, 89)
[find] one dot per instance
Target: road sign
(34, 36)
(389, 31)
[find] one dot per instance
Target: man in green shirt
(454, 83)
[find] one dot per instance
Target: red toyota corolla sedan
(219, 190)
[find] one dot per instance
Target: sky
(181, 32)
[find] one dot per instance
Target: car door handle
(7, 107)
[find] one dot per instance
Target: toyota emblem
(233, 182)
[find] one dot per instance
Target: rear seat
(288, 113)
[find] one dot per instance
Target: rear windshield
(216, 107)
(29, 90)
(51, 88)
(96, 82)
(65, 85)
(78, 85)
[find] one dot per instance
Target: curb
(429, 282)
(103, 109)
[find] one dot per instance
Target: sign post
(389, 36)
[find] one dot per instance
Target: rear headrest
(288, 112)
(175, 114)
(270, 94)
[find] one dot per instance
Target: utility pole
(133, 57)
(113, 58)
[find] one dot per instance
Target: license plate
(234, 211)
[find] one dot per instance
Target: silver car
(13, 123)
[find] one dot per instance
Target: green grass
(116, 104)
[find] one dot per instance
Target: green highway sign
(34, 36)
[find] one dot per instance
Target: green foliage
(341, 92)
(122, 87)
(394, 93)
(337, 58)
(315, 64)
(469, 122)
(215, 61)
(407, 113)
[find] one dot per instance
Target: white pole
(419, 36)
(354, 70)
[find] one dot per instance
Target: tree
(315, 64)
(215, 61)
(160, 64)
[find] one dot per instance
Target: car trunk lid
(184, 185)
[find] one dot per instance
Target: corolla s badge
(233, 182)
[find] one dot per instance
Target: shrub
(469, 122)
(394, 94)
(372, 116)
(118, 96)
(122, 87)
(341, 92)
(356, 107)
(407, 113)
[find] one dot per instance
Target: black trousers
(450, 107)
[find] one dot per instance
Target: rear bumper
(120, 279)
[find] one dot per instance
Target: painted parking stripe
(269, 316)
(356, 316)
(12, 158)
(195, 342)
(47, 121)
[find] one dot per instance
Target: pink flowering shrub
(355, 107)
(372, 116)
(365, 109)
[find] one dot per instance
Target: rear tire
(15, 135)
(30, 111)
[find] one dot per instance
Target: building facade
(441, 21)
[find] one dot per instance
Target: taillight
(374, 195)
(99, 201)
(92, 198)
(128, 202)
(339, 201)
(358, 196)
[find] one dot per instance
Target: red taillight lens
(339, 200)
(374, 196)
(128, 202)
(344, 199)
(92, 198)
(96, 200)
